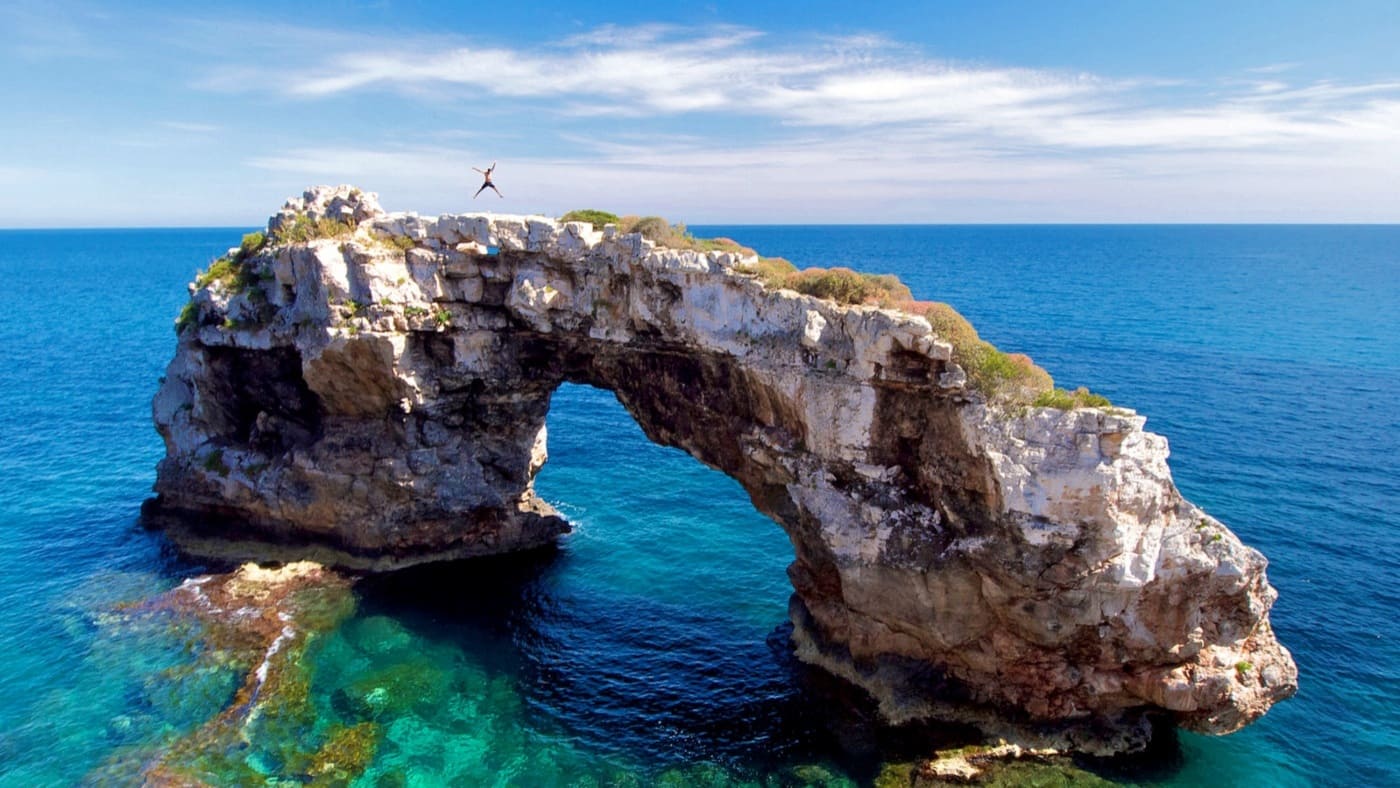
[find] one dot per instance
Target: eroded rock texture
(348, 400)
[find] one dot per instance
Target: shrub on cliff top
(653, 228)
(672, 236)
(841, 285)
(189, 315)
(593, 216)
(252, 244)
(232, 272)
(845, 286)
(1009, 377)
(723, 244)
(303, 228)
(658, 231)
(400, 242)
(1069, 400)
(773, 271)
(947, 322)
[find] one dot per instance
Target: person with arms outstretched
(486, 173)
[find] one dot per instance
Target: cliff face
(378, 399)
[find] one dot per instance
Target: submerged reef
(369, 390)
(254, 626)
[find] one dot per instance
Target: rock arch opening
(656, 520)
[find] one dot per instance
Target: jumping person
(486, 173)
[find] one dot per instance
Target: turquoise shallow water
(649, 645)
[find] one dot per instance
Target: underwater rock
(373, 394)
(992, 765)
(248, 631)
(402, 688)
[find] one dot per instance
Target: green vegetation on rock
(214, 462)
(592, 216)
(772, 271)
(845, 286)
(227, 271)
(401, 242)
(237, 273)
(658, 231)
(189, 314)
(1011, 378)
(842, 285)
(1069, 400)
(303, 228)
(252, 244)
(233, 270)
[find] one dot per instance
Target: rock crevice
(378, 399)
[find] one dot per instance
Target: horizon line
(75, 228)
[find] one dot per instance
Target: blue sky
(163, 113)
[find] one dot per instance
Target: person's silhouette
(486, 173)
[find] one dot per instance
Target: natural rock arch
(379, 399)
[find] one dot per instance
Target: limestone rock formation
(378, 398)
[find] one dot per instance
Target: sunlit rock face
(378, 399)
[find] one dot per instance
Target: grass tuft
(251, 245)
(845, 286)
(722, 244)
(663, 233)
(1012, 378)
(224, 270)
(189, 316)
(401, 242)
(593, 216)
(303, 228)
(1069, 400)
(841, 285)
(214, 462)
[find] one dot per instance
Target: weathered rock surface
(356, 403)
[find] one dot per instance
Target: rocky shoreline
(369, 390)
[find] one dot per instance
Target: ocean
(649, 647)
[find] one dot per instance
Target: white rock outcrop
(378, 399)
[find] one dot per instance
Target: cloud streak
(870, 123)
(859, 83)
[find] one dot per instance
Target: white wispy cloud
(865, 121)
(856, 82)
(1273, 68)
(722, 120)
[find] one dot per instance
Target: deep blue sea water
(651, 641)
